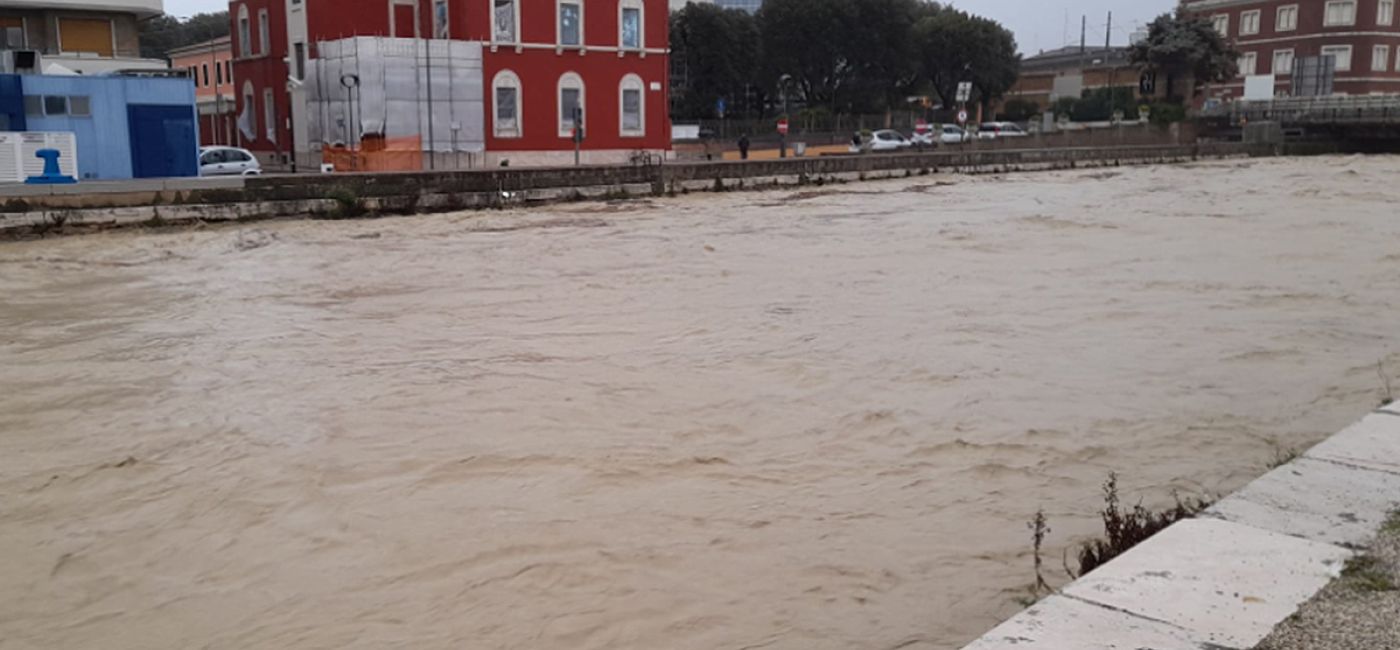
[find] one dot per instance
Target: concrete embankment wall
(1224, 580)
(24, 209)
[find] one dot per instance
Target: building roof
(141, 8)
(1072, 57)
(219, 44)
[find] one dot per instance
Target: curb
(1223, 580)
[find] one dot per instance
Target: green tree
(1185, 46)
(955, 46)
(715, 54)
(1019, 110)
(164, 33)
(805, 41)
(1099, 104)
(881, 54)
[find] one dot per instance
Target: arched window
(245, 32)
(248, 119)
(264, 33)
(632, 107)
(631, 33)
(505, 105)
(571, 102)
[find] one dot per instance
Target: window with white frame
(250, 110)
(1341, 54)
(1380, 58)
(1221, 23)
(505, 106)
(245, 38)
(1249, 22)
(441, 19)
(571, 99)
(299, 61)
(14, 32)
(1283, 62)
(505, 18)
(269, 116)
(264, 33)
(1340, 12)
(631, 103)
(1385, 12)
(1286, 20)
(570, 22)
(629, 24)
(1249, 64)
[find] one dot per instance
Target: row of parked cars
(235, 161)
(891, 140)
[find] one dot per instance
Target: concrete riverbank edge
(25, 209)
(1226, 579)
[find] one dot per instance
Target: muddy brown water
(784, 420)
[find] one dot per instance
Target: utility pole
(218, 93)
(1112, 67)
(432, 148)
(1083, 40)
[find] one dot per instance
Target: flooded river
(792, 420)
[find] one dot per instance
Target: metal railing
(1314, 110)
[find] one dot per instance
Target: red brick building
(1072, 71)
(1361, 36)
(538, 60)
(259, 33)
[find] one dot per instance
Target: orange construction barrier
(378, 154)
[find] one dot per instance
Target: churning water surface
(787, 419)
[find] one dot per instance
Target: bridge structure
(1373, 119)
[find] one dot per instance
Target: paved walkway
(1359, 611)
(1227, 579)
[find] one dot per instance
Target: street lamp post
(352, 82)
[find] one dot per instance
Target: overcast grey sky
(1039, 24)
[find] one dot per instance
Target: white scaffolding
(400, 89)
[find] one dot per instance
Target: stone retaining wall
(23, 209)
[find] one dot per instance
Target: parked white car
(994, 130)
(889, 140)
(952, 134)
(226, 161)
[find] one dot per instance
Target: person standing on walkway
(744, 147)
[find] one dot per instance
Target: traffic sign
(719, 107)
(783, 126)
(921, 126)
(962, 117)
(964, 91)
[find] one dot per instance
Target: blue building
(125, 126)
